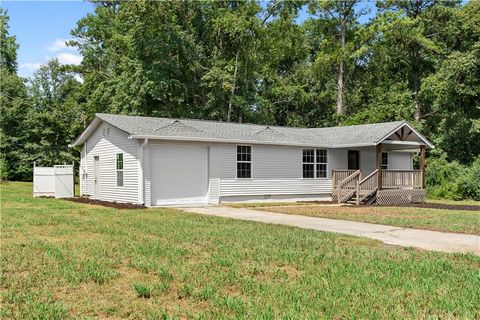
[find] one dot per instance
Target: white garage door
(179, 174)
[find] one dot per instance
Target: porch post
(379, 166)
(422, 165)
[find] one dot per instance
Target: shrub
(451, 180)
(469, 184)
(3, 170)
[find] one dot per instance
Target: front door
(353, 160)
(96, 177)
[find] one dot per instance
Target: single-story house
(160, 161)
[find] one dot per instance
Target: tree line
(252, 61)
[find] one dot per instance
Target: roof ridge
(175, 122)
(250, 124)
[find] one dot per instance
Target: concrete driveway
(398, 236)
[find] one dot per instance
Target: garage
(179, 174)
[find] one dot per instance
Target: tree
(8, 44)
(55, 117)
(413, 31)
(13, 104)
(339, 18)
(452, 92)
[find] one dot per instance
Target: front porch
(382, 186)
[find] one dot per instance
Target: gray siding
(214, 174)
(106, 147)
(400, 161)
(276, 170)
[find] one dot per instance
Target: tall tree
(54, 118)
(8, 44)
(342, 16)
(13, 105)
(417, 39)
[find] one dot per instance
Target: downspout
(141, 176)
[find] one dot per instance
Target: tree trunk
(234, 85)
(340, 88)
(416, 83)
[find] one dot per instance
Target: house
(160, 161)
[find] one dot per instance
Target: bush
(469, 184)
(451, 180)
(3, 170)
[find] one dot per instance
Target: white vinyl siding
(106, 146)
(400, 161)
(214, 175)
(82, 172)
(276, 170)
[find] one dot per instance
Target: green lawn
(68, 260)
(460, 221)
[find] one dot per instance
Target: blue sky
(41, 28)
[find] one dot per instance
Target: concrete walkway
(398, 236)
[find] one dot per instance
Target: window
(321, 163)
(384, 160)
(314, 163)
(244, 161)
(309, 163)
(119, 166)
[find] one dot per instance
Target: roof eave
(405, 123)
(246, 141)
(86, 132)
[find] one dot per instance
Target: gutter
(141, 175)
(295, 144)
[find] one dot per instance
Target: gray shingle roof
(368, 134)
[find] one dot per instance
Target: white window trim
(315, 164)
(251, 161)
(388, 160)
(117, 170)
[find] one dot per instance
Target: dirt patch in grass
(116, 205)
(440, 206)
(316, 202)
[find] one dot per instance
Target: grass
(65, 260)
(455, 202)
(459, 221)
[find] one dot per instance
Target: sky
(42, 27)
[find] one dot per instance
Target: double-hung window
(384, 160)
(244, 161)
(314, 163)
(119, 167)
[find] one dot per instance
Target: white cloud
(69, 58)
(30, 66)
(59, 45)
(27, 69)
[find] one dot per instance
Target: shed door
(179, 174)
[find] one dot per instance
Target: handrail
(350, 177)
(355, 177)
(369, 184)
(339, 175)
(369, 176)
